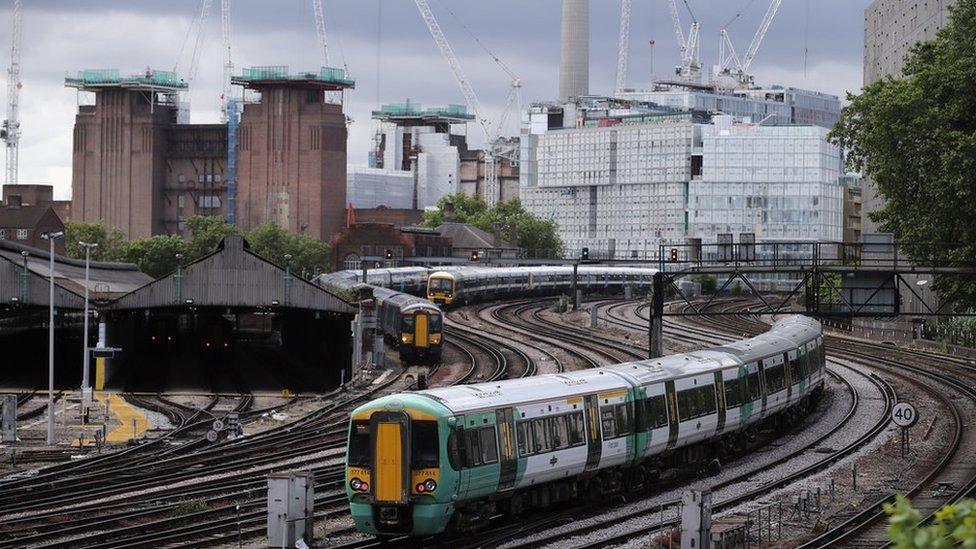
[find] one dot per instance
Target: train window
(775, 379)
(359, 454)
(454, 449)
(576, 428)
(524, 438)
(733, 392)
(472, 448)
(609, 421)
(696, 402)
(560, 432)
(424, 447)
(754, 386)
(436, 322)
(440, 285)
(541, 436)
(407, 323)
(623, 419)
(655, 412)
(489, 445)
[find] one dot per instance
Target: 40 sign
(904, 415)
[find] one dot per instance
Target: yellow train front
(411, 324)
(441, 288)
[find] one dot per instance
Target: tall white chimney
(574, 64)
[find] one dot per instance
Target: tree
(111, 241)
(915, 137)
(156, 255)
(309, 256)
(206, 232)
(535, 236)
(465, 209)
(953, 525)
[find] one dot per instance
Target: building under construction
(136, 168)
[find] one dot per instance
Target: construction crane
(690, 49)
(730, 70)
(195, 32)
(225, 94)
(10, 132)
(320, 30)
(493, 147)
(623, 48)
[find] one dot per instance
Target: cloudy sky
(389, 52)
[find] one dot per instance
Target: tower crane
(320, 30)
(10, 132)
(195, 32)
(493, 148)
(623, 49)
(690, 49)
(729, 65)
(225, 94)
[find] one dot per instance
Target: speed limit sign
(904, 414)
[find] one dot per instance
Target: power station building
(136, 168)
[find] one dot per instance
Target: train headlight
(405, 338)
(429, 485)
(358, 485)
(420, 487)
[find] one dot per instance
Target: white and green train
(422, 462)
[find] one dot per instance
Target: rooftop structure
(327, 78)
(150, 80)
(413, 114)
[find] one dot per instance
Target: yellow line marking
(125, 414)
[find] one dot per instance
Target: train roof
(460, 399)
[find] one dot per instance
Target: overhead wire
(477, 40)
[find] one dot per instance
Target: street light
(50, 237)
(85, 388)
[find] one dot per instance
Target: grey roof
(106, 280)
(463, 235)
(233, 276)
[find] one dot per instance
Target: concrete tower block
(574, 65)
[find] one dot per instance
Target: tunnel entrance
(228, 350)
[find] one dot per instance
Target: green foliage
(736, 288)
(953, 525)
(535, 236)
(206, 232)
(156, 255)
(188, 507)
(309, 256)
(111, 241)
(708, 285)
(915, 137)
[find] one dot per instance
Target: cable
(739, 14)
(491, 54)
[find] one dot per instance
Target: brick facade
(374, 239)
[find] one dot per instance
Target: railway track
(954, 380)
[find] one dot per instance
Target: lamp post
(50, 237)
(85, 387)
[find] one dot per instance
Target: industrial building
(136, 168)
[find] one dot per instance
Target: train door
(421, 323)
(505, 419)
(391, 461)
(672, 413)
(594, 442)
(720, 401)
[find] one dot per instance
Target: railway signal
(474, 256)
(585, 254)
(389, 255)
(674, 254)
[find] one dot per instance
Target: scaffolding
(326, 75)
(151, 78)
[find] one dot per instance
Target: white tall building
(777, 182)
(623, 182)
(374, 187)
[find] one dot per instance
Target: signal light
(674, 254)
(585, 255)
(474, 256)
(389, 254)
(420, 487)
